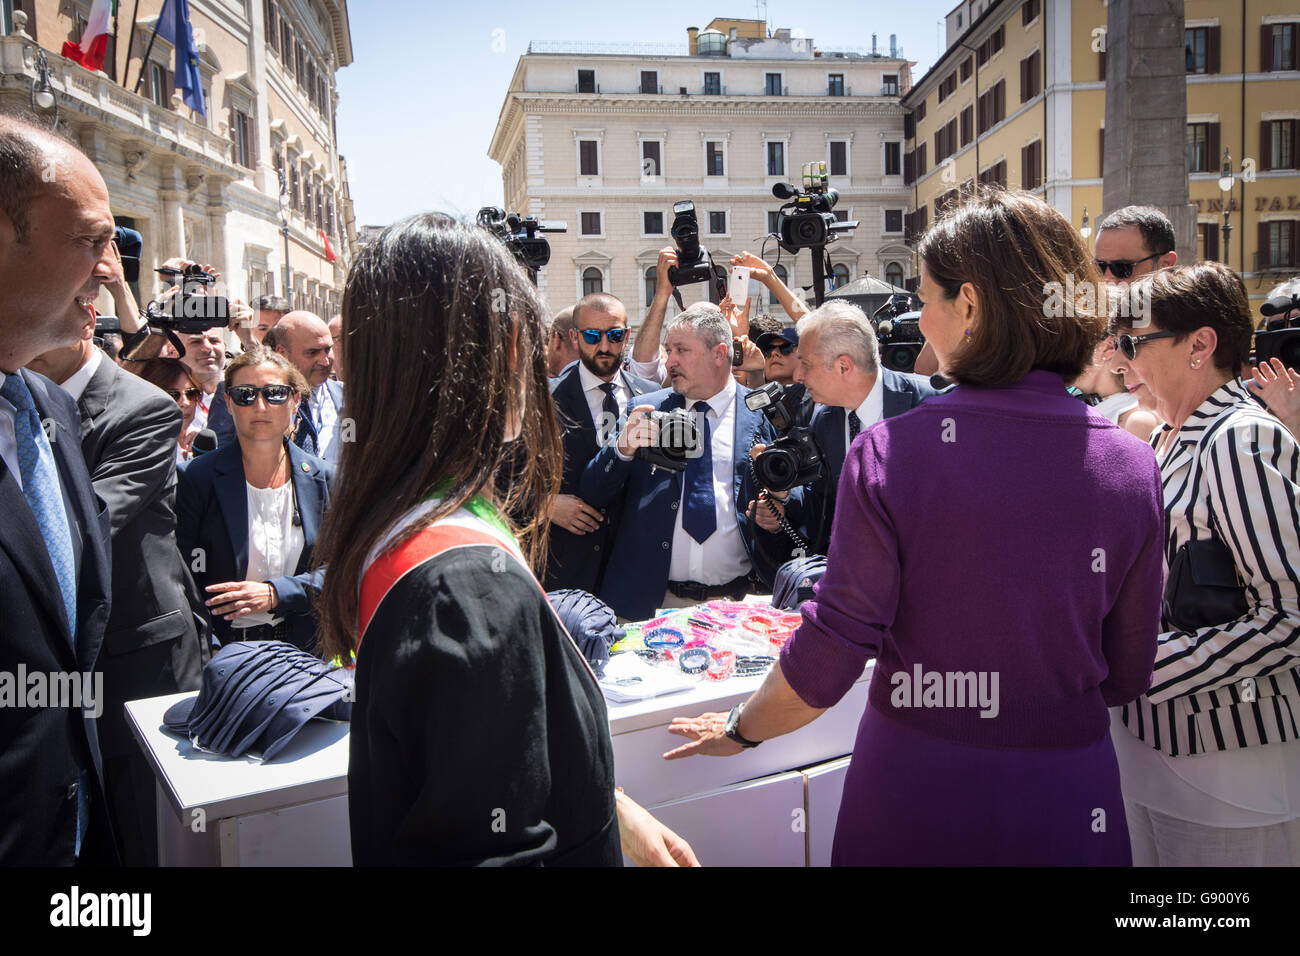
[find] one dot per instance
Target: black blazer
(903, 392)
(212, 531)
(578, 560)
(152, 643)
(219, 419)
(43, 750)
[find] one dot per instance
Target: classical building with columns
(207, 187)
(608, 137)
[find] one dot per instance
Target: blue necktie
(699, 519)
(40, 479)
(305, 436)
(855, 426)
(609, 427)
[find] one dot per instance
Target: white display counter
(774, 805)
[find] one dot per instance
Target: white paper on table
(627, 677)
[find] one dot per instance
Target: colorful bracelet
(694, 660)
(664, 637)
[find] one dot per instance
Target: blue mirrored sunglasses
(592, 336)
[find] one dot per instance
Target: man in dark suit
(839, 364)
(589, 395)
(56, 250)
(152, 643)
(305, 340)
(685, 537)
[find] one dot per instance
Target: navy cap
(790, 335)
(794, 581)
(589, 620)
(256, 696)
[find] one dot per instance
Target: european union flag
(174, 27)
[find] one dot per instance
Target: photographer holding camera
(685, 536)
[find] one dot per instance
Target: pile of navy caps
(256, 696)
(795, 579)
(591, 622)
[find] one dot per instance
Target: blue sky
(419, 104)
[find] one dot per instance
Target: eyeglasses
(1122, 268)
(1128, 344)
(193, 394)
(785, 348)
(592, 336)
(245, 395)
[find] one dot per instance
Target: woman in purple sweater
(998, 551)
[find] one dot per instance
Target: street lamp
(1225, 185)
(284, 231)
(42, 93)
(1085, 230)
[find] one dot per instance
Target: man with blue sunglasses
(589, 395)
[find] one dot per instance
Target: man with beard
(588, 398)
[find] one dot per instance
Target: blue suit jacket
(903, 392)
(578, 560)
(305, 425)
(219, 419)
(212, 515)
(637, 575)
(43, 750)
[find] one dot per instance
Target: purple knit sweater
(1008, 539)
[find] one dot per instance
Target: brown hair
(430, 310)
(1186, 298)
(258, 355)
(1015, 250)
(161, 372)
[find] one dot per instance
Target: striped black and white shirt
(1232, 466)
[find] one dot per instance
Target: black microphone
(204, 440)
(1280, 305)
(784, 191)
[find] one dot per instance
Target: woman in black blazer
(248, 514)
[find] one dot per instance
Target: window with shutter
(651, 161)
(590, 223)
(653, 224)
(909, 126)
(587, 155)
(909, 168)
(967, 124)
(967, 67)
(893, 159)
(839, 158)
(713, 160)
(649, 81)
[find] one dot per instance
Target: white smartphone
(738, 287)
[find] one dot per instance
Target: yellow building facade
(1019, 99)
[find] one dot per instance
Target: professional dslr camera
(1282, 338)
(899, 333)
(190, 309)
(694, 264)
(807, 221)
(679, 440)
(794, 458)
(520, 234)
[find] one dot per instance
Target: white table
(773, 805)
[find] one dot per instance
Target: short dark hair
(272, 338)
(596, 301)
(763, 323)
(1013, 248)
(259, 355)
(1186, 298)
(21, 158)
(1157, 231)
(272, 303)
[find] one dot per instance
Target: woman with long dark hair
(479, 734)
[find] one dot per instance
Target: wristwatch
(733, 721)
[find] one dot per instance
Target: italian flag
(94, 41)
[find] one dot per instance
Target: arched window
(841, 274)
(894, 274)
(651, 280)
(591, 280)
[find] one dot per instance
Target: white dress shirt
(78, 380)
(325, 416)
(274, 542)
(9, 437)
(869, 412)
(722, 557)
(594, 393)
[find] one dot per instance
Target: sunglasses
(193, 394)
(1122, 268)
(592, 336)
(784, 348)
(1128, 344)
(245, 395)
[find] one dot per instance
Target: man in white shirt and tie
(305, 340)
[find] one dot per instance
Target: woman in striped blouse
(1210, 762)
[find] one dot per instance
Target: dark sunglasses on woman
(785, 348)
(193, 394)
(1121, 268)
(245, 395)
(592, 336)
(1128, 344)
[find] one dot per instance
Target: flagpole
(149, 49)
(126, 66)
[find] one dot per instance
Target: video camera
(1282, 338)
(190, 309)
(794, 458)
(694, 264)
(520, 234)
(898, 330)
(807, 222)
(679, 440)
